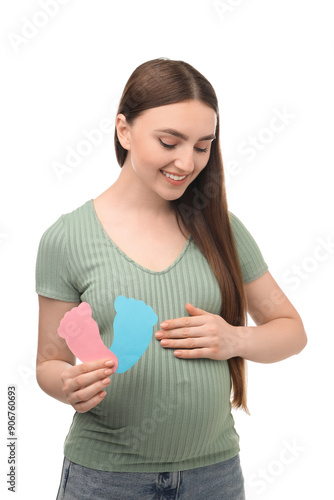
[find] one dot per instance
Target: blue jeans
(222, 481)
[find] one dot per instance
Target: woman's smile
(174, 179)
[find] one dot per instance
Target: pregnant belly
(168, 415)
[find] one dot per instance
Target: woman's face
(174, 139)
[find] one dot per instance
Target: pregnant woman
(169, 274)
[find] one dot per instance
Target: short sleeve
(251, 259)
(52, 272)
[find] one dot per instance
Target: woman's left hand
(200, 335)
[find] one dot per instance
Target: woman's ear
(123, 131)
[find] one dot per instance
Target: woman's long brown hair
(203, 206)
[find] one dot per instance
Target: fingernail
(108, 372)
(109, 363)
(159, 335)
(163, 325)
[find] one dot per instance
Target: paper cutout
(132, 332)
(82, 335)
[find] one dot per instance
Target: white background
(263, 58)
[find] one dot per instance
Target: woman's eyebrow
(182, 136)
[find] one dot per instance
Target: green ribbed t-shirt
(164, 414)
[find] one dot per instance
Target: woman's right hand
(83, 384)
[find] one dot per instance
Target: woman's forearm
(273, 341)
(48, 374)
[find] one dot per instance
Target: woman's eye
(171, 146)
(168, 146)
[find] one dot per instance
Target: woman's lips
(174, 182)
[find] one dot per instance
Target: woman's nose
(185, 161)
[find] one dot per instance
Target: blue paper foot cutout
(133, 325)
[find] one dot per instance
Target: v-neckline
(123, 254)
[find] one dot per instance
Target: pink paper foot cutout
(82, 335)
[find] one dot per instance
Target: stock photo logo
(259, 141)
(256, 143)
(298, 273)
(162, 412)
(265, 476)
(93, 138)
(86, 146)
(223, 8)
(32, 27)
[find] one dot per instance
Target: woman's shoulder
(79, 211)
(240, 231)
(236, 225)
(250, 256)
(76, 213)
(57, 227)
